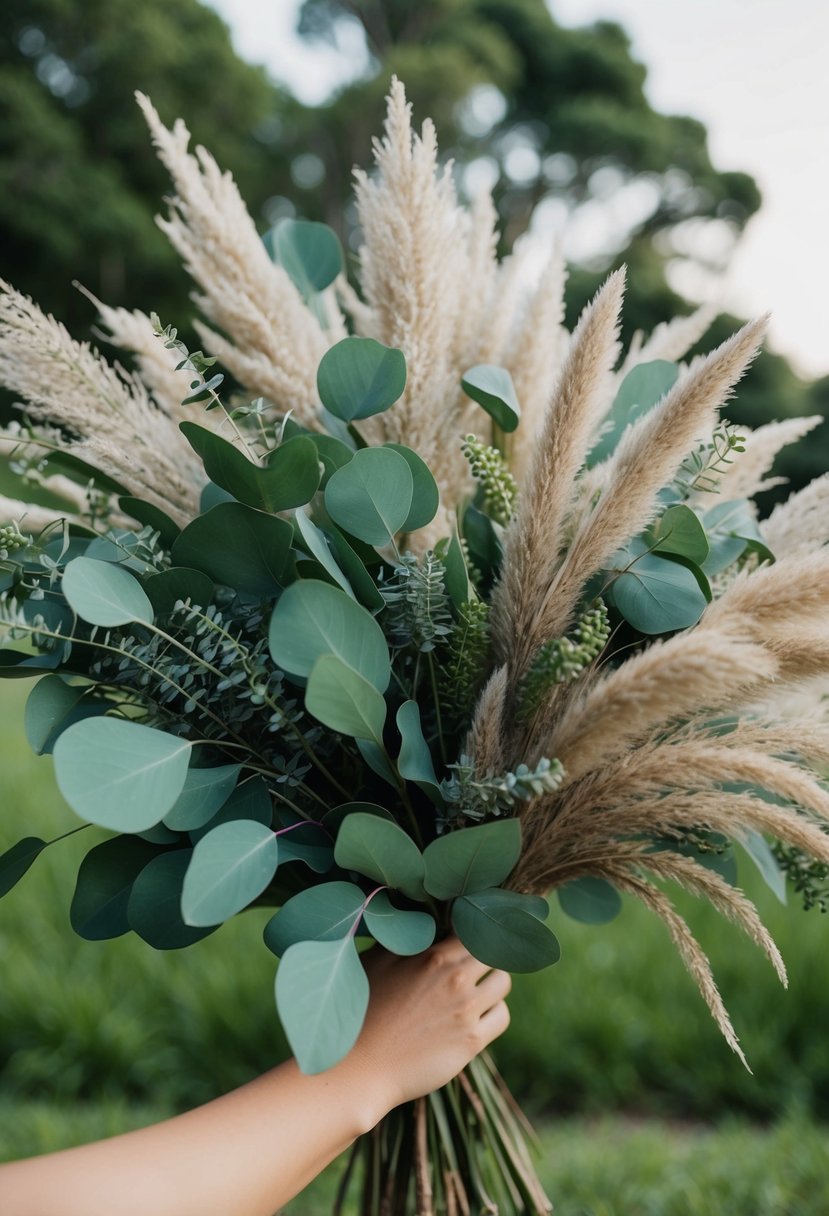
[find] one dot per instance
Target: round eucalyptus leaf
(205, 791)
(590, 900)
(102, 593)
(401, 931)
(656, 594)
(322, 996)
(179, 583)
(322, 913)
(119, 774)
(300, 840)
(493, 389)
(249, 800)
(289, 478)
(230, 867)
(379, 849)
(359, 377)
(312, 619)
(344, 701)
(425, 492)
(333, 819)
(371, 496)
(105, 878)
(52, 706)
(641, 389)
(309, 252)
(154, 904)
(680, 531)
(16, 861)
(234, 545)
(472, 859)
(497, 929)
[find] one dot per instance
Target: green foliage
(590, 900)
(503, 930)
(638, 393)
(105, 880)
(340, 698)
(15, 862)
(494, 391)
(309, 253)
(565, 658)
(289, 478)
(414, 762)
(236, 546)
(370, 497)
(809, 878)
(324, 913)
(398, 929)
(498, 486)
(205, 791)
(463, 661)
(655, 594)
(471, 859)
(418, 612)
(471, 797)
(425, 493)
(154, 906)
(103, 593)
(322, 997)
(380, 850)
(231, 865)
(701, 469)
(359, 377)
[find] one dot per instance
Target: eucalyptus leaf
(16, 861)
(401, 931)
(359, 377)
(415, 760)
(288, 479)
(382, 851)
(234, 545)
(425, 492)
(309, 252)
(377, 760)
(353, 566)
(371, 496)
(457, 581)
(154, 904)
(301, 841)
(105, 879)
(249, 800)
(118, 774)
(52, 706)
(497, 928)
(104, 594)
(472, 859)
(317, 542)
(494, 391)
(590, 900)
(205, 791)
(641, 389)
(322, 996)
(760, 853)
(231, 865)
(324, 913)
(653, 593)
(680, 531)
(311, 619)
(345, 701)
(178, 583)
(334, 819)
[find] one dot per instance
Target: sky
(754, 71)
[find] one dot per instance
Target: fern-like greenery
(562, 659)
(464, 665)
(471, 797)
(419, 612)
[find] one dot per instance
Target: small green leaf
(425, 492)
(322, 997)
(309, 252)
(312, 619)
(344, 701)
(120, 775)
(323, 913)
(102, 593)
(289, 479)
(166, 588)
(305, 842)
(493, 389)
(16, 861)
(230, 867)
(655, 594)
(105, 879)
(680, 531)
(641, 389)
(458, 585)
(758, 850)
(205, 791)
(317, 542)
(241, 548)
(355, 570)
(415, 760)
(732, 528)
(359, 377)
(154, 905)
(54, 705)
(402, 932)
(371, 496)
(590, 900)
(379, 849)
(500, 931)
(472, 859)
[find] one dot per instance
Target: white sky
(756, 72)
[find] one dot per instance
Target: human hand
(427, 1018)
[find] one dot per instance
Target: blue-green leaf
(590, 900)
(105, 880)
(317, 543)
(359, 377)
(16, 861)
(322, 913)
(499, 930)
(344, 701)
(244, 549)
(401, 931)
(53, 706)
(309, 252)
(312, 619)
(760, 853)
(472, 859)
(289, 479)
(205, 791)
(425, 492)
(679, 531)
(655, 594)
(102, 593)
(322, 997)
(382, 851)
(641, 389)
(154, 904)
(230, 867)
(415, 760)
(371, 496)
(493, 389)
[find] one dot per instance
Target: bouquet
(434, 611)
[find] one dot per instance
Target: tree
(79, 183)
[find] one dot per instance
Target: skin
(252, 1150)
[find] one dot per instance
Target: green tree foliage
(79, 183)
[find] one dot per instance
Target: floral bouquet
(437, 611)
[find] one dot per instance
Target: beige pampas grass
(259, 326)
(670, 340)
(801, 523)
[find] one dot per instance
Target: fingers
(492, 989)
(493, 1023)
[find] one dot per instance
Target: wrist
(369, 1086)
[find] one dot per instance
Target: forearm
(248, 1152)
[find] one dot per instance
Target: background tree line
(550, 113)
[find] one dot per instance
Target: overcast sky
(754, 71)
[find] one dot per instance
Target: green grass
(617, 1024)
(605, 1167)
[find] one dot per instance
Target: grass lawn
(603, 1167)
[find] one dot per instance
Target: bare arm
(252, 1150)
